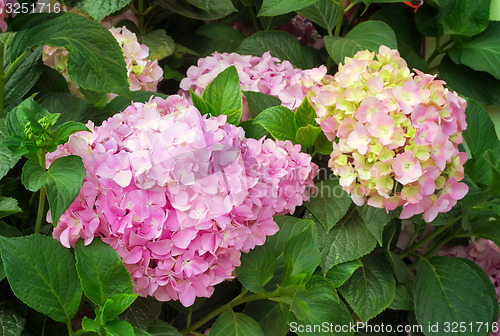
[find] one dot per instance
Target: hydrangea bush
(275, 167)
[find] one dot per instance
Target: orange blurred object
(414, 4)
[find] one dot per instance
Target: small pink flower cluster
(264, 74)
(179, 196)
(484, 253)
(143, 73)
(6, 11)
(397, 134)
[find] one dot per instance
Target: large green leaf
(329, 203)
(467, 18)
(367, 35)
(346, 241)
(339, 274)
(271, 316)
(278, 7)
(224, 94)
(98, 9)
(480, 134)
(95, 62)
(279, 121)
(323, 305)
(142, 312)
(118, 328)
(161, 328)
(7, 160)
(375, 220)
(116, 305)
(306, 136)
(371, 288)
(258, 102)
(281, 45)
(301, 256)
(323, 13)
(200, 9)
(443, 297)
(230, 323)
(222, 37)
(101, 272)
(8, 206)
(257, 268)
(11, 323)
(41, 272)
(481, 52)
(491, 231)
(18, 118)
(305, 114)
(159, 43)
(73, 108)
(478, 85)
(22, 79)
(63, 180)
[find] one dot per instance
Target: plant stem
(339, 18)
(254, 18)
(140, 17)
(428, 238)
(13, 65)
(240, 299)
(41, 200)
(70, 329)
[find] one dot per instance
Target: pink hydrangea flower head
(179, 195)
(264, 74)
(405, 126)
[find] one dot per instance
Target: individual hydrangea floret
(486, 254)
(143, 73)
(179, 196)
(7, 8)
(264, 74)
(397, 134)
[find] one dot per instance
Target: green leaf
(9, 231)
(200, 9)
(329, 203)
(11, 323)
(118, 328)
(222, 37)
(278, 7)
(367, 35)
(116, 305)
(481, 52)
(8, 206)
(405, 31)
(63, 180)
(230, 323)
(258, 102)
(72, 108)
(252, 130)
(257, 268)
(480, 134)
(346, 241)
(403, 299)
(301, 255)
(160, 328)
(95, 61)
(323, 305)
(62, 133)
(159, 43)
(279, 121)
(426, 20)
(270, 315)
(142, 312)
(201, 104)
(41, 272)
(307, 136)
(101, 272)
(467, 18)
(92, 325)
(289, 227)
(375, 220)
(370, 289)
(98, 9)
(490, 230)
(224, 94)
(324, 13)
(478, 85)
(22, 79)
(323, 145)
(305, 114)
(17, 118)
(7, 160)
(441, 296)
(339, 274)
(281, 45)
